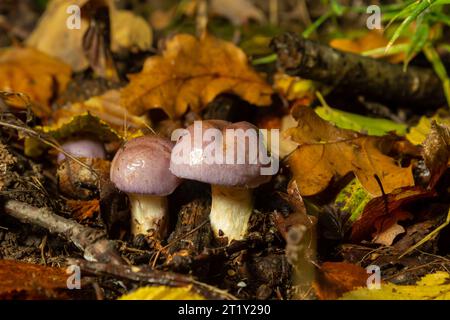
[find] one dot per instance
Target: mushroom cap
(83, 148)
(141, 166)
(192, 157)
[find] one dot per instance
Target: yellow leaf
(418, 134)
(39, 76)
(434, 286)
(54, 38)
(163, 293)
(191, 72)
(326, 152)
(80, 124)
(107, 107)
(369, 41)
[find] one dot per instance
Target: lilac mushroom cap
(83, 148)
(141, 166)
(196, 165)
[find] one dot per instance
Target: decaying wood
(91, 241)
(146, 275)
(375, 79)
(192, 232)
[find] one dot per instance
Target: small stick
(146, 275)
(91, 241)
(352, 73)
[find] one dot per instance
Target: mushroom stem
(231, 209)
(148, 212)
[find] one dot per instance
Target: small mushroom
(82, 181)
(83, 148)
(231, 181)
(141, 169)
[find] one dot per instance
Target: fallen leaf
(431, 287)
(39, 76)
(388, 236)
(336, 278)
(383, 212)
(419, 133)
(127, 31)
(368, 125)
(83, 123)
(191, 72)
(352, 199)
(163, 293)
(369, 41)
(294, 88)
(106, 107)
(326, 152)
(26, 281)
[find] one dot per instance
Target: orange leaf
(326, 152)
(28, 281)
(191, 72)
(370, 41)
(336, 278)
(83, 210)
(39, 76)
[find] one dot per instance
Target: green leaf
(353, 199)
(355, 122)
(418, 133)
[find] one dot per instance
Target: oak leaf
(191, 72)
(35, 74)
(326, 152)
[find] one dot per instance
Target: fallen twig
(375, 79)
(146, 275)
(91, 241)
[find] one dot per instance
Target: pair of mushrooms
(148, 170)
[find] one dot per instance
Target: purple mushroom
(233, 169)
(141, 169)
(83, 148)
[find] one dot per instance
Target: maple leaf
(39, 76)
(191, 72)
(326, 152)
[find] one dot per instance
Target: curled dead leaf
(39, 76)
(191, 72)
(326, 152)
(336, 278)
(383, 212)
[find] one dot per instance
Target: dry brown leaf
(381, 213)
(39, 76)
(54, 38)
(326, 152)
(436, 151)
(191, 72)
(336, 278)
(26, 281)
